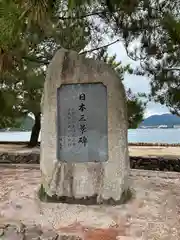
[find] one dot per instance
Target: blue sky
(136, 83)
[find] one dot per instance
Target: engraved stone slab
(82, 124)
(91, 161)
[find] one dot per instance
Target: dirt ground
(153, 214)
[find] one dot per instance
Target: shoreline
(154, 144)
(130, 143)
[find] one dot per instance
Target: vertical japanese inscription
(71, 127)
(83, 120)
(82, 123)
(71, 131)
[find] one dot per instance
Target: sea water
(134, 136)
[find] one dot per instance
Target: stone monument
(84, 149)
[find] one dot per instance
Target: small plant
(44, 197)
(126, 196)
(42, 193)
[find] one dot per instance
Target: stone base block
(89, 200)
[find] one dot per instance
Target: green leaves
(35, 11)
(78, 3)
(9, 24)
(31, 32)
(10, 108)
(135, 106)
(172, 26)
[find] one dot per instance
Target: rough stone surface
(34, 232)
(49, 235)
(103, 180)
(11, 233)
(155, 163)
(12, 157)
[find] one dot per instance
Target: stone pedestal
(87, 180)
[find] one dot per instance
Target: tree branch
(37, 60)
(46, 62)
(82, 16)
(98, 48)
(171, 69)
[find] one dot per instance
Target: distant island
(154, 121)
(161, 121)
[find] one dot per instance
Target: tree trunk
(35, 131)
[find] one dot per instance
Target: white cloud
(136, 83)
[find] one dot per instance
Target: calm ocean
(134, 135)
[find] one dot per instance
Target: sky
(136, 83)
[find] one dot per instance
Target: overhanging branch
(36, 60)
(46, 62)
(82, 16)
(171, 69)
(98, 48)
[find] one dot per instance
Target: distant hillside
(164, 119)
(24, 123)
(27, 124)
